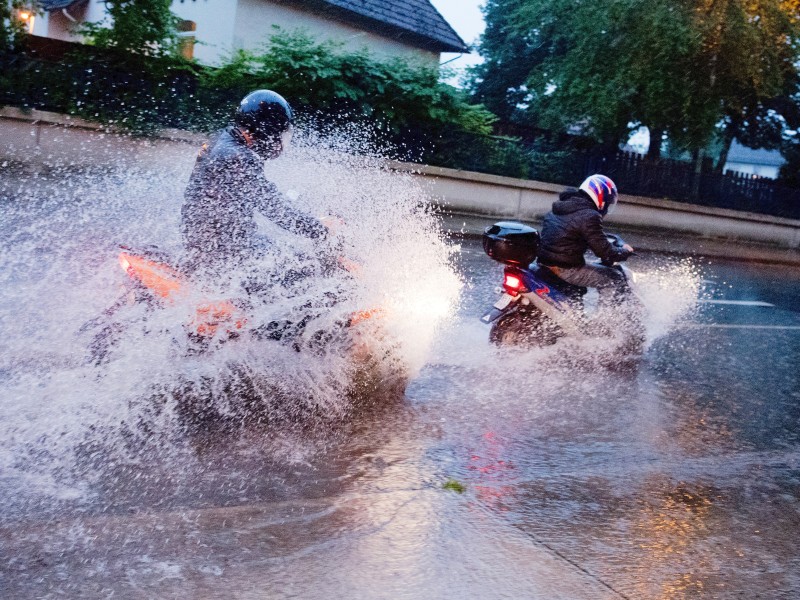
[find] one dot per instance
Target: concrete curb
(44, 118)
(494, 197)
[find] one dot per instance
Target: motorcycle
(537, 308)
(154, 281)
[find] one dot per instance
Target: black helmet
(267, 118)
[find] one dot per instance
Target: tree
(689, 68)
(790, 171)
(138, 27)
(583, 65)
(13, 33)
(12, 28)
(130, 73)
(500, 81)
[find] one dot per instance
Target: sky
(466, 18)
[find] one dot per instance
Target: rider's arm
(277, 208)
(598, 242)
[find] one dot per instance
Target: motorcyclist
(227, 186)
(574, 226)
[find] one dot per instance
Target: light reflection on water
(681, 480)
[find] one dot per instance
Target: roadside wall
(493, 196)
(46, 140)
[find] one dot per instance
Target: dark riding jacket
(226, 188)
(573, 227)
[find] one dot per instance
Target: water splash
(481, 377)
(670, 289)
(60, 235)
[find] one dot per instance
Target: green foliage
(685, 67)
(115, 88)
(130, 74)
(145, 27)
(139, 82)
(12, 29)
(12, 36)
(324, 80)
(749, 61)
(593, 67)
(326, 83)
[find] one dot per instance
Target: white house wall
(766, 171)
(223, 26)
(59, 25)
(255, 20)
(216, 22)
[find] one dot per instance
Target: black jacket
(226, 188)
(572, 227)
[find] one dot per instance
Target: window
(186, 35)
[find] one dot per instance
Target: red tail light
(513, 284)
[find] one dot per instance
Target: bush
(324, 82)
(152, 88)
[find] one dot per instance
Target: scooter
(536, 307)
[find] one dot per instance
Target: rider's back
(569, 230)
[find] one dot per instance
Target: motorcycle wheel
(525, 328)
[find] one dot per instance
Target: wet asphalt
(498, 474)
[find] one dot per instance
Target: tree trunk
(727, 140)
(697, 158)
(654, 150)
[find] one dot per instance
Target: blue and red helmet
(602, 190)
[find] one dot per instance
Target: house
(214, 28)
(758, 162)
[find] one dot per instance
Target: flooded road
(499, 474)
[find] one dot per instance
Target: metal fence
(633, 173)
(681, 181)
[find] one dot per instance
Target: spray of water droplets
(536, 379)
(61, 231)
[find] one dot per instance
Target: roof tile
(56, 4)
(740, 153)
(415, 16)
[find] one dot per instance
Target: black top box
(511, 243)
